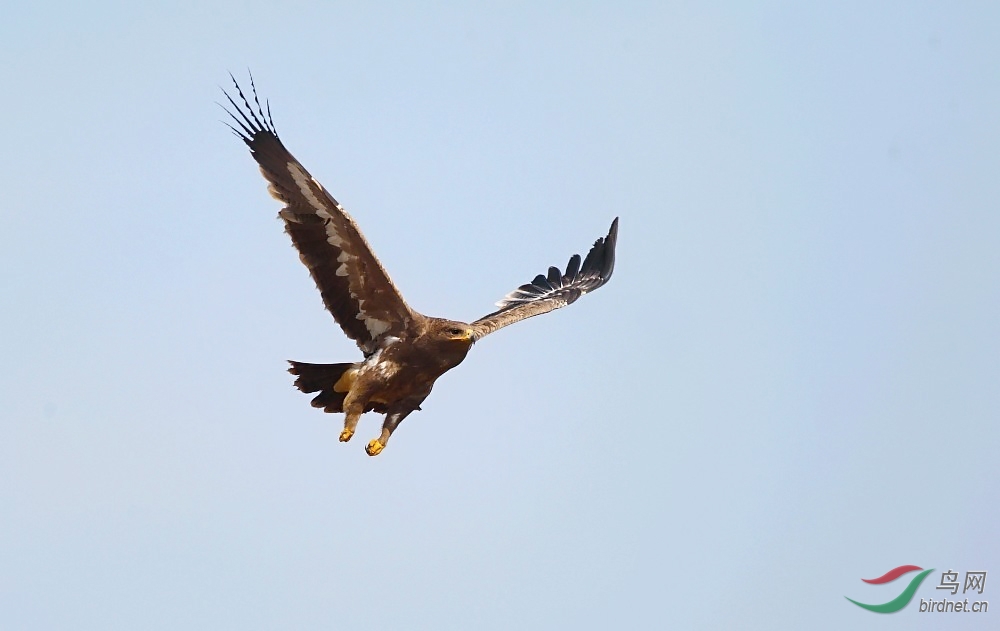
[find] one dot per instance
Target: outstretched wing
(555, 290)
(354, 285)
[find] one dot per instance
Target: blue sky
(790, 384)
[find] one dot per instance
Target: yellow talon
(346, 435)
(374, 448)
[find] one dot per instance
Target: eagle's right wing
(557, 289)
(355, 288)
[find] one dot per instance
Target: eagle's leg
(392, 420)
(350, 425)
(354, 407)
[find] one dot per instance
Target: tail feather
(320, 378)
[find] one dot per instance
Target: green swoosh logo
(900, 601)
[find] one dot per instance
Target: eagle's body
(405, 351)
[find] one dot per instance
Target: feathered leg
(350, 425)
(392, 420)
(354, 407)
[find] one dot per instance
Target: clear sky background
(792, 382)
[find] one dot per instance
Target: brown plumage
(405, 351)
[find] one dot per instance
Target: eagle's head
(452, 332)
(449, 339)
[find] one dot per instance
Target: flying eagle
(405, 351)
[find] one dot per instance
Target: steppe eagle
(404, 351)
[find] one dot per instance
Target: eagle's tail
(327, 380)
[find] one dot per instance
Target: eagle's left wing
(356, 289)
(557, 289)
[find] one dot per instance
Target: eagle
(404, 351)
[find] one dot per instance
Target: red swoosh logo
(892, 574)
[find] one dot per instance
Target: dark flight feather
(353, 284)
(556, 290)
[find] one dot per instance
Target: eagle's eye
(455, 331)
